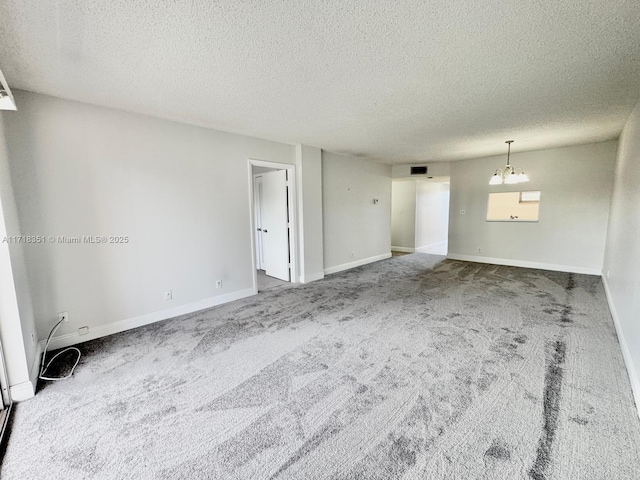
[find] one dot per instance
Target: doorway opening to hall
(273, 234)
(420, 215)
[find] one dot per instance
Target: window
(513, 207)
(529, 197)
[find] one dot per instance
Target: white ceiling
(394, 81)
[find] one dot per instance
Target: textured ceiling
(395, 81)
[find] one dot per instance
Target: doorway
(420, 215)
(273, 223)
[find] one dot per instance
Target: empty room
(319, 239)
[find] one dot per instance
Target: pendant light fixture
(508, 175)
(6, 98)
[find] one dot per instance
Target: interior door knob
(259, 229)
(265, 230)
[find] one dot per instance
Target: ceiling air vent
(418, 170)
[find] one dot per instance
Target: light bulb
(511, 179)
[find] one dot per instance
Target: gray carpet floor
(413, 367)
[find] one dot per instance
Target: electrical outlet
(33, 338)
(168, 295)
(463, 211)
(352, 255)
(218, 283)
(83, 330)
(479, 250)
(64, 316)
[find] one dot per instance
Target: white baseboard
(312, 277)
(35, 366)
(624, 346)
(22, 391)
(26, 390)
(129, 323)
(525, 264)
(424, 248)
(402, 249)
(357, 263)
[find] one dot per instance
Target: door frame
(293, 218)
(6, 403)
(257, 178)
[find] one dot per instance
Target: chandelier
(6, 99)
(508, 174)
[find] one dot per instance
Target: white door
(5, 400)
(257, 197)
(275, 230)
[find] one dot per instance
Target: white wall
(180, 193)
(17, 325)
(309, 172)
(432, 213)
(403, 215)
(576, 185)
(621, 271)
(355, 230)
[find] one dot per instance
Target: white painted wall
(309, 172)
(352, 223)
(17, 325)
(621, 271)
(432, 213)
(257, 170)
(403, 215)
(180, 193)
(576, 184)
